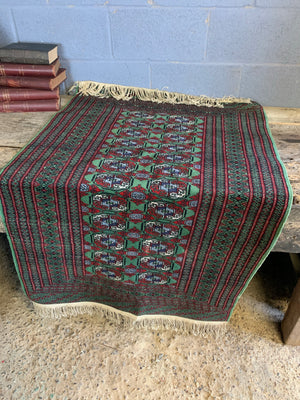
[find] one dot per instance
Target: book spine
(61, 77)
(22, 60)
(24, 56)
(13, 69)
(12, 94)
(25, 82)
(34, 82)
(30, 105)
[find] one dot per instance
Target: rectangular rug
(147, 208)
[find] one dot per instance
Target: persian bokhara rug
(154, 205)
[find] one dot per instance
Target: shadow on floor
(278, 275)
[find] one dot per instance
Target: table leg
(290, 325)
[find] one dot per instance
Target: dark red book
(46, 83)
(30, 105)
(20, 94)
(13, 69)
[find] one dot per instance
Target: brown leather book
(13, 69)
(19, 94)
(30, 105)
(33, 82)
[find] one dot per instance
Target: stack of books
(30, 77)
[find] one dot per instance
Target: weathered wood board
(285, 127)
(290, 325)
(17, 129)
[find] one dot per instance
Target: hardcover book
(16, 69)
(46, 83)
(30, 105)
(20, 94)
(29, 53)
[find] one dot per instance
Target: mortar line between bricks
(110, 41)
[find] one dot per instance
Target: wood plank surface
(281, 115)
(17, 129)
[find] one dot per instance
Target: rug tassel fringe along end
(153, 322)
(119, 92)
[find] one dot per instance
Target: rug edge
(121, 92)
(284, 218)
(156, 322)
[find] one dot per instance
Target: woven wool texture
(150, 209)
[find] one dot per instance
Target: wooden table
(17, 129)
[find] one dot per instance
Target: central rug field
(146, 208)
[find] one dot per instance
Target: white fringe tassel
(119, 92)
(154, 322)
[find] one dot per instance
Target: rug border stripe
(2, 211)
(254, 222)
(222, 210)
(68, 123)
(226, 186)
(284, 215)
(275, 191)
(214, 179)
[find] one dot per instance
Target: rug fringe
(153, 322)
(119, 92)
(189, 326)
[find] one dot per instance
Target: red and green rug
(153, 209)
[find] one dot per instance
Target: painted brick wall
(248, 48)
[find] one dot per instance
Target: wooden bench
(17, 129)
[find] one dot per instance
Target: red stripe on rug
(243, 219)
(209, 211)
(279, 165)
(222, 211)
(224, 206)
(15, 248)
